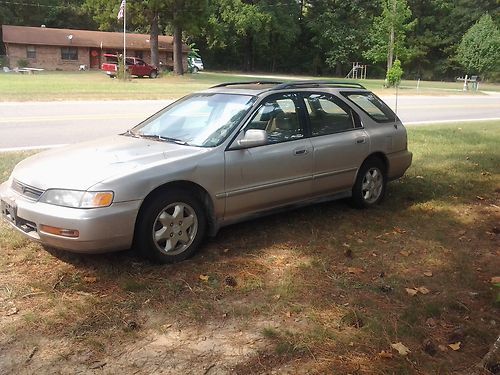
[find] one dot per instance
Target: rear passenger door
(340, 144)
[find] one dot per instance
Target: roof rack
(248, 83)
(313, 83)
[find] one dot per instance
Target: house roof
(81, 38)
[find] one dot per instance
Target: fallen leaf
(90, 279)
(442, 348)
(405, 253)
(479, 197)
(288, 314)
(423, 290)
(495, 280)
(355, 270)
(411, 291)
(204, 277)
(385, 355)
(12, 311)
(455, 346)
(428, 273)
(402, 350)
(420, 177)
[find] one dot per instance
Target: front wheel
(370, 185)
(170, 227)
(153, 74)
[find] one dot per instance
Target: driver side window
(279, 118)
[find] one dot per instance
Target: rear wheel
(370, 185)
(153, 74)
(195, 69)
(171, 226)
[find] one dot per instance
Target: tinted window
(371, 105)
(328, 115)
(278, 117)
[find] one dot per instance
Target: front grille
(26, 190)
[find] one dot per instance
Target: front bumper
(100, 229)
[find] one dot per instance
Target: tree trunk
(390, 50)
(338, 69)
(249, 54)
(178, 67)
(153, 41)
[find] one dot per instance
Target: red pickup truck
(134, 65)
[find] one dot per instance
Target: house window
(30, 52)
(69, 53)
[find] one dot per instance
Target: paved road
(44, 124)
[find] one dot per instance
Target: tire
(371, 181)
(195, 69)
(153, 74)
(170, 226)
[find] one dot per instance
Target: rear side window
(371, 105)
(328, 115)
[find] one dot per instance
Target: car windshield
(203, 120)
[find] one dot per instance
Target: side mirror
(253, 138)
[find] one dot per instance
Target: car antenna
(396, 107)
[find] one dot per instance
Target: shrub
(22, 63)
(394, 74)
(122, 74)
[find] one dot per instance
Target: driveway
(48, 124)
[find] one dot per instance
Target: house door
(95, 59)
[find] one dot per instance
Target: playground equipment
(358, 71)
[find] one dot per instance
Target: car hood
(83, 165)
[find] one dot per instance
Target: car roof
(259, 87)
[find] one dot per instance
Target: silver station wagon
(229, 153)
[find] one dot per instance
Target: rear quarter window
(371, 105)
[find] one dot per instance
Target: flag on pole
(122, 10)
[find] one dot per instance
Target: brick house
(66, 49)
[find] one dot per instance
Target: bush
(4, 61)
(394, 74)
(122, 74)
(22, 63)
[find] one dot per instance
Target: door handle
(361, 140)
(300, 152)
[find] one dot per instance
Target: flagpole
(124, 37)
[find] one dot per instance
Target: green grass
(97, 86)
(293, 290)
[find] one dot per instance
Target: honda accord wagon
(216, 157)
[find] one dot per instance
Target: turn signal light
(72, 233)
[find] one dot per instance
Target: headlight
(77, 199)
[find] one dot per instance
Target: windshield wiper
(130, 133)
(163, 139)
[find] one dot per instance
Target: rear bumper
(399, 162)
(100, 229)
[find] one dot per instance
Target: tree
(184, 16)
(439, 29)
(479, 50)
(389, 32)
(339, 29)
